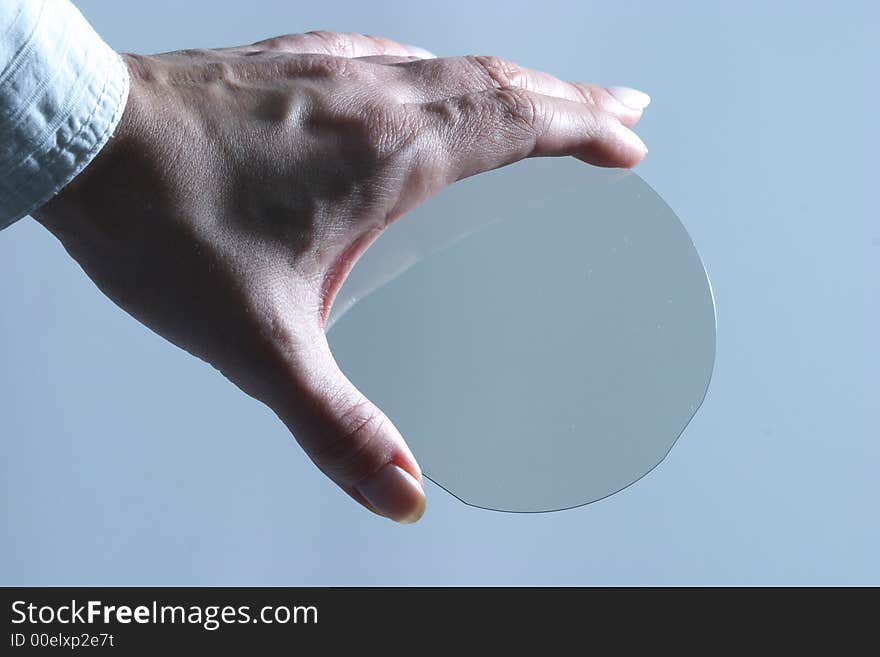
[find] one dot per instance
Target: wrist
(67, 208)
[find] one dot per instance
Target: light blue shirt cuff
(62, 93)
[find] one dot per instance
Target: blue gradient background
(125, 461)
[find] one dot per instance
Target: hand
(242, 184)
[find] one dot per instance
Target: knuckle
(277, 42)
(389, 128)
(325, 66)
(338, 43)
(517, 107)
(586, 92)
(381, 43)
(496, 71)
(219, 71)
(272, 42)
(448, 113)
(356, 449)
(374, 132)
(461, 120)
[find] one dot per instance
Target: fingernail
(633, 98)
(394, 493)
(421, 52)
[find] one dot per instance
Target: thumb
(348, 437)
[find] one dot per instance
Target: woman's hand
(242, 184)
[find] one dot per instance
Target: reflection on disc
(541, 334)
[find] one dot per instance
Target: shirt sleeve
(62, 93)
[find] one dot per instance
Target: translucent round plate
(541, 334)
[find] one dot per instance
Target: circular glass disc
(551, 337)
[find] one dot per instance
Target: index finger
(489, 129)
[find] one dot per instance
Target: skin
(242, 184)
